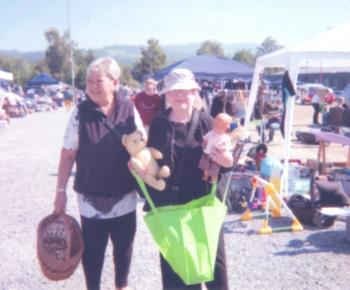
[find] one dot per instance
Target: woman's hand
(222, 157)
(60, 202)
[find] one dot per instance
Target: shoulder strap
(105, 122)
(189, 138)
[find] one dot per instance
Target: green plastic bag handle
(144, 191)
(148, 197)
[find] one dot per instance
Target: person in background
(241, 106)
(332, 115)
(124, 91)
(106, 190)
(317, 102)
(223, 103)
(167, 133)
(67, 99)
(256, 155)
(340, 102)
(4, 116)
(272, 115)
(148, 102)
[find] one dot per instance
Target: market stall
(330, 49)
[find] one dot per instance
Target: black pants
(171, 281)
(316, 112)
(96, 232)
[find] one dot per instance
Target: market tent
(7, 76)
(42, 79)
(328, 50)
(210, 67)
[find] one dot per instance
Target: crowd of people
(18, 103)
(323, 107)
(11, 104)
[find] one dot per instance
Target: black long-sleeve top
(169, 138)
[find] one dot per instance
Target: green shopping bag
(187, 235)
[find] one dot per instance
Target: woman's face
(100, 87)
(181, 99)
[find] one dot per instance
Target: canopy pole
(288, 125)
(252, 97)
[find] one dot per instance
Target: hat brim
(182, 86)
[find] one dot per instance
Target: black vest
(101, 162)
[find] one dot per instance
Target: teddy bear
(143, 160)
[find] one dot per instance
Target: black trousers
(171, 281)
(96, 232)
(316, 112)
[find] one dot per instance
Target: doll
(216, 139)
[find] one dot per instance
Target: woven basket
(59, 246)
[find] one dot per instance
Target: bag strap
(189, 138)
(105, 122)
(144, 190)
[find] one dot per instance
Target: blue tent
(210, 67)
(42, 79)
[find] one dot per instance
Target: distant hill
(31, 56)
(129, 54)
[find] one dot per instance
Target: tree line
(62, 52)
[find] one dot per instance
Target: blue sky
(98, 23)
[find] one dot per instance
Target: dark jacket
(190, 183)
(101, 158)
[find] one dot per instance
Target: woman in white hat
(168, 133)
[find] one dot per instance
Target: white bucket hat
(179, 79)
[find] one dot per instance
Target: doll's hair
(223, 118)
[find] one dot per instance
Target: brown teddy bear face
(134, 142)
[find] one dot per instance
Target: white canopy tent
(6, 75)
(328, 50)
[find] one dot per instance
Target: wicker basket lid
(59, 246)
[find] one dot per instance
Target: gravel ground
(29, 152)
